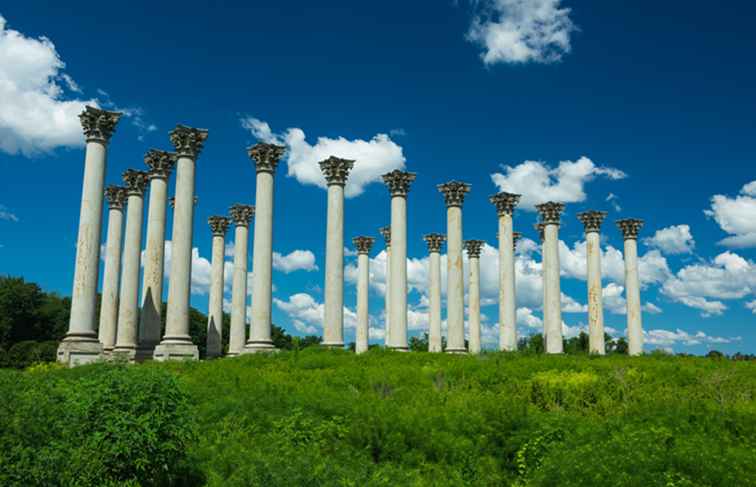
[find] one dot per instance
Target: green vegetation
(320, 417)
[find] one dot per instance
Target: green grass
(320, 417)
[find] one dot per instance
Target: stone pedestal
(218, 225)
(362, 334)
(592, 221)
(176, 343)
(434, 241)
(505, 204)
(552, 306)
(386, 233)
(473, 253)
(630, 229)
(116, 196)
(454, 195)
(241, 216)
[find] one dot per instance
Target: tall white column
(335, 170)
(434, 242)
(386, 233)
(176, 343)
(398, 183)
(541, 238)
(266, 157)
(116, 196)
(552, 306)
(454, 195)
(128, 301)
(630, 229)
(241, 215)
(80, 344)
(363, 246)
(473, 248)
(592, 221)
(505, 204)
(218, 225)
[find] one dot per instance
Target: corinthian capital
(386, 234)
(135, 181)
(504, 202)
(218, 225)
(188, 141)
(363, 244)
(399, 182)
(515, 237)
(266, 156)
(540, 228)
(241, 214)
(434, 241)
(98, 125)
(160, 162)
(592, 220)
(551, 212)
(630, 228)
(336, 170)
(116, 196)
(454, 192)
(473, 248)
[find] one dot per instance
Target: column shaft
(435, 343)
(455, 288)
(387, 300)
(632, 295)
(111, 277)
(398, 285)
(363, 276)
(552, 310)
(474, 305)
(215, 305)
(128, 308)
(595, 302)
(507, 302)
(239, 292)
(262, 266)
(333, 325)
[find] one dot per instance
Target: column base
(126, 354)
(398, 348)
(458, 351)
(145, 351)
(79, 350)
(176, 351)
(259, 346)
(332, 345)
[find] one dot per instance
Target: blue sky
(572, 100)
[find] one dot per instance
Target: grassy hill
(318, 417)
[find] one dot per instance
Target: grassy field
(320, 417)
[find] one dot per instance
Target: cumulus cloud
(7, 215)
(736, 216)
(294, 261)
(521, 31)
(676, 239)
(667, 337)
(374, 157)
(613, 199)
(306, 313)
(538, 183)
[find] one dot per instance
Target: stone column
(434, 241)
(266, 157)
(176, 343)
(80, 344)
(398, 183)
(128, 301)
(630, 229)
(505, 204)
(335, 171)
(539, 227)
(218, 225)
(363, 245)
(161, 164)
(241, 215)
(592, 221)
(454, 195)
(116, 196)
(473, 248)
(552, 306)
(386, 233)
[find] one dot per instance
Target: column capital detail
(188, 141)
(116, 196)
(98, 124)
(160, 162)
(454, 192)
(473, 248)
(399, 182)
(630, 228)
(540, 227)
(515, 237)
(592, 220)
(172, 201)
(504, 202)
(336, 170)
(135, 181)
(218, 225)
(241, 214)
(363, 244)
(551, 212)
(434, 241)
(386, 234)
(266, 156)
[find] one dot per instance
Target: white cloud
(676, 239)
(373, 157)
(667, 337)
(7, 215)
(613, 199)
(538, 183)
(306, 313)
(294, 261)
(736, 216)
(525, 317)
(752, 306)
(520, 31)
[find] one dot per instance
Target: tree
(531, 344)
(19, 311)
